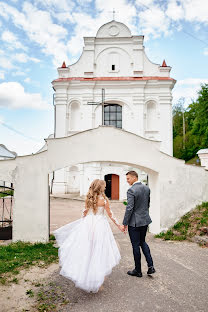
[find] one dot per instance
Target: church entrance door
(112, 186)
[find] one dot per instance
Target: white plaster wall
(184, 187)
(165, 128)
(122, 63)
(73, 179)
(150, 69)
(175, 187)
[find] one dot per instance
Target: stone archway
(175, 187)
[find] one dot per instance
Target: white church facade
(137, 97)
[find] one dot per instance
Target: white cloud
(18, 73)
(205, 51)
(175, 10)
(63, 17)
(2, 75)
(63, 5)
(157, 18)
(196, 10)
(13, 95)
(5, 62)
(27, 80)
(24, 58)
(40, 28)
(86, 25)
(12, 40)
(192, 81)
(188, 89)
(9, 61)
(154, 22)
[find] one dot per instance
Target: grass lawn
(6, 193)
(20, 255)
(194, 161)
(191, 224)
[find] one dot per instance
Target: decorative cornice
(113, 79)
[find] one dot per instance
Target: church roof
(113, 29)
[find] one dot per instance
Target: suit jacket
(137, 209)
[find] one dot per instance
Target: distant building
(5, 153)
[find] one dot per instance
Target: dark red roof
(164, 64)
(63, 65)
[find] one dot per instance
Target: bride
(87, 248)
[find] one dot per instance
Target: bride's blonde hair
(92, 196)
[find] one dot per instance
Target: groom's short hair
(133, 173)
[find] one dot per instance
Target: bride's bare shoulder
(101, 200)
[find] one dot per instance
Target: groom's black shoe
(151, 270)
(134, 273)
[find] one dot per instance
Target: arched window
(113, 115)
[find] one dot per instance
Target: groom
(137, 219)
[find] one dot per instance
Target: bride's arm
(110, 213)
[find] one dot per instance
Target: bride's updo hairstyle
(92, 196)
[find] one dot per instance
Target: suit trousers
(137, 236)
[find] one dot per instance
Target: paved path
(180, 284)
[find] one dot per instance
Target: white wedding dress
(87, 249)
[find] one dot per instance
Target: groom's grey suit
(137, 218)
(137, 209)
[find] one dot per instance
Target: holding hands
(123, 228)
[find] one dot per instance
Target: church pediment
(113, 29)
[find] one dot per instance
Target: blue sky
(37, 36)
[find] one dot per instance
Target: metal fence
(6, 210)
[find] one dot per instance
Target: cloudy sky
(36, 36)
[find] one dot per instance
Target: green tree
(190, 126)
(200, 123)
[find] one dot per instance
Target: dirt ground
(179, 285)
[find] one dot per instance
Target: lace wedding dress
(87, 249)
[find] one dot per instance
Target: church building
(112, 84)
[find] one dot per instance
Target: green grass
(6, 193)
(20, 255)
(51, 297)
(194, 161)
(189, 225)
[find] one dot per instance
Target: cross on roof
(114, 12)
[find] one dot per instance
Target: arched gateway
(175, 187)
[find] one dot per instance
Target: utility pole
(184, 129)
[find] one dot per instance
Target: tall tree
(190, 126)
